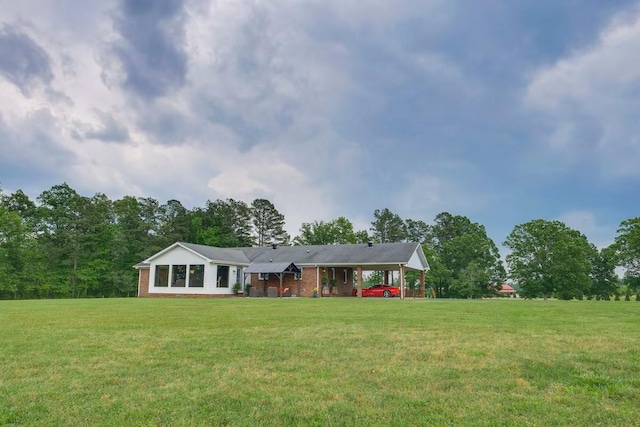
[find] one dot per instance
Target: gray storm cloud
(22, 61)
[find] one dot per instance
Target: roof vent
(274, 246)
(369, 244)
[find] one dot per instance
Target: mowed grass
(324, 362)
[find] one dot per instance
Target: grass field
(324, 362)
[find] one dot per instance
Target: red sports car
(381, 290)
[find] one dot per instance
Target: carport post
(359, 288)
(422, 289)
(401, 280)
(319, 291)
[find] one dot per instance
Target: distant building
(507, 290)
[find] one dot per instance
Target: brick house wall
(305, 286)
(143, 282)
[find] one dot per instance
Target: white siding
(415, 262)
(181, 256)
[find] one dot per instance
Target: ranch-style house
(187, 269)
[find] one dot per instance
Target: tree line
(66, 245)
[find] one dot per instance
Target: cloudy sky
(497, 110)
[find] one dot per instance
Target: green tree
(132, 232)
(446, 227)
(268, 223)
(387, 227)
(315, 233)
(22, 264)
(223, 223)
(417, 231)
(20, 203)
(374, 278)
(339, 230)
(463, 248)
(604, 281)
(59, 230)
(439, 278)
(95, 261)
(547, 258)
(344, 232)
(633, 283)
(472, 281)
(239, 218)
(151, 216)
(174, 223)
(10, 260)
(627, 245)
(128, 244)
(362, 236)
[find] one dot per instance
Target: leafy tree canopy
(548, 257)
(268, 224)
(466, 254)
(627, 245)
(604, 281)
(339, 230)
(387, 227)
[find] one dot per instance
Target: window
(333, 273)
(298, 276)
(263, 276)
(223, 276)
(179, 276)
(196, 276)
(162, 276)
(345, 275)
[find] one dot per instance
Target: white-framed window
(162, 276)
(223, 276)
(333, 273)
(263, 276)
(178, 276)
(196, 276)
(298, 276)
(345, 276)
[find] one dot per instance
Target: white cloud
(423, 197)
(382, 14)
(281, 100)
(592, 98)
(253, 119)
(587, 223)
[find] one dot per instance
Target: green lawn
(325, 362)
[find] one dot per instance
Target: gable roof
(272, 267)
(507, 289)
(209, 253)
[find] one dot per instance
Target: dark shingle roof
(230, 255)
(359, 254)
(376, 255)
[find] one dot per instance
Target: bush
(236, 288)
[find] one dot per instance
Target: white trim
(164, 251)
